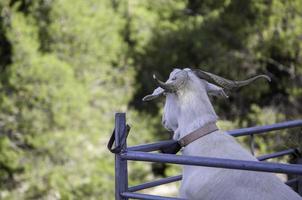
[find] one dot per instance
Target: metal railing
(142, 153)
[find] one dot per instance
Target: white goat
(188, 108)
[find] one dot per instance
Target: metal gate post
(299, 161)
(121, 174)
(297, 184)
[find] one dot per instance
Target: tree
(65, 74)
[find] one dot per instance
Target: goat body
(189, 109)
(227, 184)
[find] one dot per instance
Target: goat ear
(156, 93)
(214, 90)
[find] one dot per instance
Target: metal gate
(142, 153)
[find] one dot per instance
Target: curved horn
(156, 93)
(226, 83)
(172, 86)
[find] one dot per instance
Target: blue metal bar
(179, 177)
(151, 146)
(171, 179)
(277, 154)
(155, 183)
(121, 172)
(266, 128)
(236, 133)
(147, 196)
(214, 162)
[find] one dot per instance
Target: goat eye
(174, 78)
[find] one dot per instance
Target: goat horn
(226, 83)
(156, 93)
(174, 85)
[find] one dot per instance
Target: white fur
(188, 110)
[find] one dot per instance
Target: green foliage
(68, 75)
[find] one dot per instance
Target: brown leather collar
(191, 137)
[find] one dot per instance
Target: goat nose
(163, 122)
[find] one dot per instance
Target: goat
(187, 108)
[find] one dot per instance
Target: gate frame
(141, 153)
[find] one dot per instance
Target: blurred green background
(67, 66)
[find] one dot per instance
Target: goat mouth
(175, 84)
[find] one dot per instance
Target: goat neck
(196, 109)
